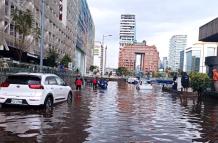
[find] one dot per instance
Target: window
(51, 81)
(60, 81)
(6, 2)
(210, 51)
(23, 79)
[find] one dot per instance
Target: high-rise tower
(127, 29)
(177, 44)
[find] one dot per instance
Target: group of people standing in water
(79, 83)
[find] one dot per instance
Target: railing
(67, 75)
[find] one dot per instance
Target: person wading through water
(78, 83)
(185, 81)
(94, 82)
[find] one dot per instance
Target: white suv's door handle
(52, 88)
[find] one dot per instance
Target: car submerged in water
(34, 89)
(133, 80)
(144, 85)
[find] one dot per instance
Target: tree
(122, 71)
(199, 82)
(65, 60)
(52, 57)
(23, 22)
(92, 68)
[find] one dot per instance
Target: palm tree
(23, 21)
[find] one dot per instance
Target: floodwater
(119, 114)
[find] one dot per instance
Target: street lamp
(103, 55)
(42, 5)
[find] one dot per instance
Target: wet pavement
(119, 114)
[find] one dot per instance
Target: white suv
(34, 89)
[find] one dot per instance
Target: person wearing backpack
(185, 81)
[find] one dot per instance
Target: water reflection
(119, 114)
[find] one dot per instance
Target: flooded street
(119, 114)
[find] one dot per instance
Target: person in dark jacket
(174, 77)
(185, 81)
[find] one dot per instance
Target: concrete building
(194, 58)
(177, 44)
(139, 58)
(209, 33)
(97, 55)
(181, 63)
(69, 29)
(165, 63)
(127, 29)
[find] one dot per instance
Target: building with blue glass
(194, 58)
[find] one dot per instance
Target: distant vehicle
(132, 80)
(35, 89)
(144, 85)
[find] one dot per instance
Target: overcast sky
(156, 21)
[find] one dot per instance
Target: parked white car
(34, 89)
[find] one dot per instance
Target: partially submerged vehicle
(132, 80)
(103, 84)
(144, 85)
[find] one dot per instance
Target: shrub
(199, 82)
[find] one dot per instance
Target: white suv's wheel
(69, 98)
(48, 103)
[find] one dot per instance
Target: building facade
(127, 29)
(177, 44)
(165, 63)
(68, 29)
(97, 55)
(139, 58)
(181, 63)
(194, 59)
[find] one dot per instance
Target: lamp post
(42, 13)
(103, 55)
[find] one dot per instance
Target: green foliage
(92, 68)
(65, 60)
(199, 81)
(52, 57)
(23, 21)
(157, 74)
(122, 71)
(95, 71)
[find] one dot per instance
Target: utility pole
(103, 55)
(42, 12)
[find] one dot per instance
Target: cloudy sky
(156, 21)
